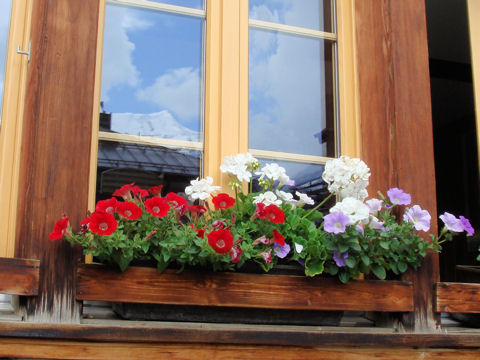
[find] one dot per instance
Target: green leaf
(331, 269)
(365, 259)
(121, 259)
(162, 265)
(384, 245)
(379, 271)
(313, 267)
(350, 262)
(343, 276)
(402, 267)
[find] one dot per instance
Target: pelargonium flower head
(223, 201)
(278, 238)
(176, 200)
(59, 229)
(285, 196)
(355, 209)
(281, 250)
(220, 240)
(273, 172)
(347, 177)
(102, 223)
(340, 258)
(239, 166)
(304, 199)
(267, 198)
(336, 222)
(418, 217)
(107, 205)
(201, 189)
(275, 214)
(375, 205)
(157, 206)
(467, 226)
(451, 222)
(236, 253)
(156, 190)
(399, 197)
(129, 210)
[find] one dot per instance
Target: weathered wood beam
(55, 158)
(19, 276)
(145, 285)
(458, 297)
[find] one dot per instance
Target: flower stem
(318, 206)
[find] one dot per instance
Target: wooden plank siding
(55, 159)
(457, 297)
(145, 285)
(19, 276)
(395, 119)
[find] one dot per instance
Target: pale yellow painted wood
(474, 26)
(347, 80)
(11, 125)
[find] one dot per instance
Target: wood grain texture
(56, 141)
(35, 349)
(145, 285)
(395, 119)
(458, 297)
(19, 276)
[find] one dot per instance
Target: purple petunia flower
(301, 262)
(399, 197)
(451, 222)
(281, 251)
(418, 217)
(340, 260)
(336, 222)
(467, 226)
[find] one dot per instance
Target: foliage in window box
(266, 227)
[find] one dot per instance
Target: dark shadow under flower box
(226, 289)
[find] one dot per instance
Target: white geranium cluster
(347, 177)
(355, 209)
(267, 198)
(273, 172)
(240, 166)
(201, 189)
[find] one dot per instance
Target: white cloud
(118, 67)
(177, 90)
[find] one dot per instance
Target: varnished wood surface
(458, 297)
(19, 276)
(204, 333)
(36, 349)
(55, 159)
(145, 285)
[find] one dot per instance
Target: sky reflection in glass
(195, 4)
(151, 75)
(290, 94)
(312, 14)
(4, 25)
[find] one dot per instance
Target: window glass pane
(307, 178)
(291, 94)
(146, 166)
(312, 14)
(196, 4)
(4, 26)
(152, 73)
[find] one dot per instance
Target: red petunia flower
(176, 200)
(102, 223)
(197, 210)
(84, 225)
(267, 256)
(260, 211)
(223, 201)
(129, 210)
(275, 214)
(278, 238)
(141, 192)
(108, 206)
(220, 240)
(59, 229)
(236, 253)
(124, 191)
(157, 206)
(200, 232)
(156, 190)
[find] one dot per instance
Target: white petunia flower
(267, 198)
(375, 205)
(304, 199)
(355, 209)
(201, 189)
(347, 177)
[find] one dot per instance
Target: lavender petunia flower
(281, 251)
(376, 224)
(340, 260)
(336, 222)
(467, 226)
(451, 222)
(418, 217)
(399, 197)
